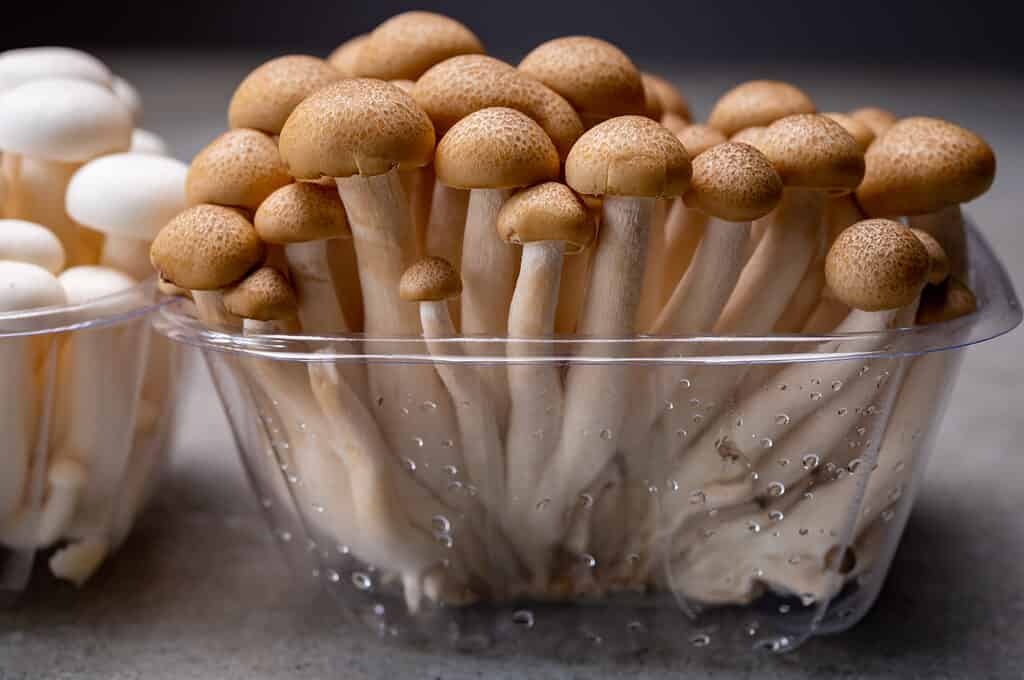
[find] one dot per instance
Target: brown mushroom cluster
(411, 186)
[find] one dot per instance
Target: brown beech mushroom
(860, 131)
(662, 97)
(879, 120)
(757, 103)
(238, 169)
(407, 44)
(924, 168)
(267, 96)
(264, 295)
(596, 77)
(345, 57)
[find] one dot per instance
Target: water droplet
(837, 385)
(853, 465)
(543, 503)
(899, 467)
(713, 512)
(670, 405)
(343, 549)
(429, 405)
(333, 576)
(410, 465)
(776, 516)
(698, 497)
(784, 608)
(776, 489)
(362, 581)
(592, 638)
(803, 532)
(266, 503)
(450, 470)
(752, 628)
(895, 494)
(636, 627)
(700, 640)
(887, 516)
(842, 412)
(538, 434)
(284, 467)
(681, 434)
(523, 617)
(418, 441)
(472, 491)
(706, 533)
(767, 443)
(673, 485)
(378, 609)
(380, 402)
(694, 403)
(698, 418)
(863, 370)
(783, 462)
(318, 508)
(444, 540)
(293, 479)
(404, 411)
(588, 560)
(447, 443)
(807, 599)
(811, 461)
(783, 387)
(685, 383)
(455, 486)
(652, 489)
(606, 434)
(754, 527)
(586, 500)
(815, 396)
(441, 523)
(739, 423)
(862, 431)
(808, 495)
(782, 419)
(754, 476)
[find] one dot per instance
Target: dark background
(912, 32)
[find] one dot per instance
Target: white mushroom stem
(385, 244)
(572, 292)
(489, 268)
(684, 230)
(210, 307)
(127, 255)
(43, 526)
(36, 193)
(650, 296)
(445, 228)
(947, 226)
(77, 562)
(596, 396)
(17, 416)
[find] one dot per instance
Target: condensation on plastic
(90, 386)
(763, 507)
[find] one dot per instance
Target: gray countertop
(199, 590)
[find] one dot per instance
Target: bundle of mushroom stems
(82, 194)
(411, 186)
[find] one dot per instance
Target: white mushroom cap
(33, 63)
(130, 96)
(87, 283)
(131, 195)
(144, 141)
(62, 119)
(23, 241)
(27, 286)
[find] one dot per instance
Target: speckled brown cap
(263, 295)
(457, 87)
(860, 132)
(661, 97)
(674, 122)
(922, 165)
(547, 212)
(946, 302)
(699, 138)
(240, 168)
(206, 247)
(345, 57)
(432, 279)
(407, 44)
(264, 100)
(169, 289)
(356, 127)
(597, 78)
(495, 148)
(757, 103)
(754, 136)
(406, 86)
(879, 120)
(629, 156)
(941, 267)
(876, 265)
(302, 212)
(734, 182)
(814, 152)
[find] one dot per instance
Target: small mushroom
(408, 44)
(268, 95)
(662, 97)
(238, 169)
(22, 65)
(127, 197)
(946, 301)
(757, 103)
(264, 295)
(144, 141)
(860, 131)
(345, 57)
(879, 120)
(33, 243)
(129, 96)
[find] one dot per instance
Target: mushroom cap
(628, 156)
(757, 103)
(940, 266)
(35, 63)
(345, 57)
(263, 295)
(26, 286)
(302, 212)
(876, 265)
(922, 165)
(404, 85)
(814, 152)
(62, 119)
(359, 126)
(674, 122)
(597, 78)
(129, 96)
(432, 279)
(879, 120)
(945, 302)
(734, 182)
(23, 241)
(699, 138)
(206, 247)
(240, 168)
(267, 96)
(167, 288)
(89, 282)
(456, 87)
(407, 44)
(495, 148)
(860, 132)
(754, 136)
(144, 141)
(130, 195)
(547, 212)
(661, 97)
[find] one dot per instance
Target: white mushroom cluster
(82, 195)
(411, 186)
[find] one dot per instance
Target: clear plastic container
(88, 396)
(762, 507)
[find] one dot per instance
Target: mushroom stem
(947, 226)
(684, 230)
(18, 395)
(37, 189)
(210, 306)
(127, 255)
(572, 293)
(650, 296)
(445, 229)
(42, 527)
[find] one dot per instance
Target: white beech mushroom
(47, 128)
(129, 96)
(205, 249)
(33, 243)
(924, 168)
(23, 286)
(631, 161)
(144, 141)
(127, 197)
(35, 63)
(267, 96)
(491, 152)
(550, 222)
(43, 526)
(238, 169)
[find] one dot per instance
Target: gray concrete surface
(200, 592)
